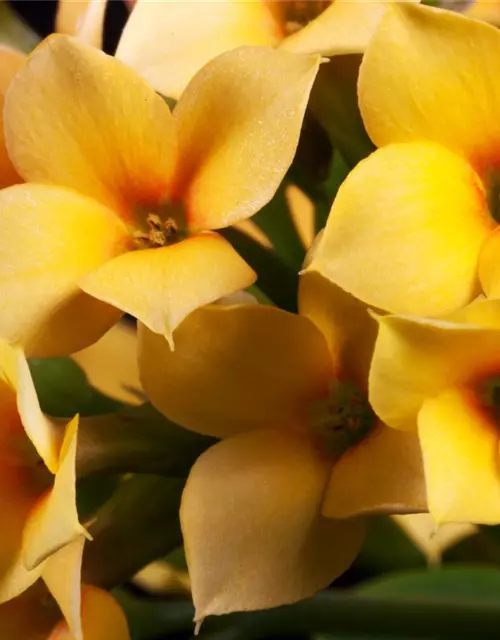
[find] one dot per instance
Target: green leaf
(14, 32)
(137, 525)
(458, 583)
(136, 440)
(64, 390)
(276, 222)
(275, 279)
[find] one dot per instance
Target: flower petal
(54, 523)
(102, 618)
(239, 123)
(405, 231)
(383, 473)
(344, 321)
(11, 62)
(197, 32)
(253, 531)
(416, 359)
(161, 286)
(346, 26)
(460, 450)
(421, 72)
(51, 237)
(82, 18)
(62, 575)
(236, 368)
(489, 270)
(109, 136)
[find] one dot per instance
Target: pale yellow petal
(383, 473)
(51, 237)
(416, 359)
(423, 70)
(109, 135)
(461, 458)
(62, 575)
(239, 123)
(161, 286)
(167, 42)
(236, 368)
(82, 18)
(344, 321)
(11, 61)
(406, 230)
(252, 525)
(54, 522)
(346, 26)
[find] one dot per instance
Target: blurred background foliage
(410, 580)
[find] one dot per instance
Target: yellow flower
(487, 10)
(122, 196)
(10, 63)
(168, 41)
(41, 536)
(412, 229)
(441, 378)
(269, 513)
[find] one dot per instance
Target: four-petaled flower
(413, 229)
(269, 513)
(121, 197)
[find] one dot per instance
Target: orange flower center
(159, 227)
(296, 14)
(342, 418)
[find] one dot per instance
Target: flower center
(342, 418)
(160, 232)
(488, 394)
(493, 193)
(297, 14)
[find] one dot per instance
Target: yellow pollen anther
(160, 233)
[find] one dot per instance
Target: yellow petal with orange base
(102, 618)
(406, 229)
(459, 443)
(344, 321)
(110, 136)
(383, 473)
(53, 522)
(416, 359)
(425, 68)
(197, 32)
(252, 525)
(52, 237)
(10, 63)
(161, 286)
(236, 368)
(346, 26)
(82, 18)
(239, 123)
(62, 576)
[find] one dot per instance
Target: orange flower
(41, 536)
(121, 197)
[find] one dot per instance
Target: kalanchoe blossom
(413, 227)
(441, 379)
(198, 31)
(41, 534)
(122, 197)
(269, 514)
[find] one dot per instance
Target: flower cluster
(377, 396)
